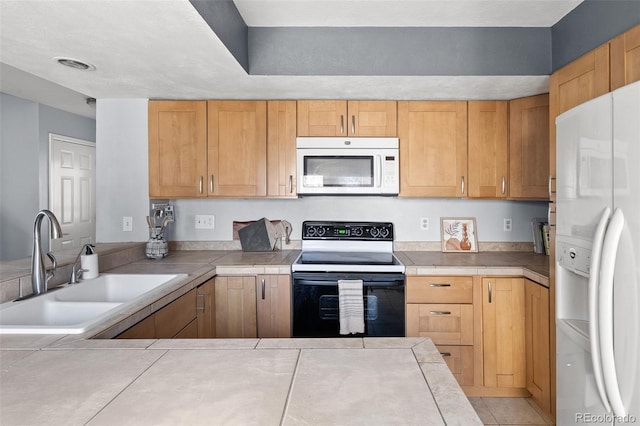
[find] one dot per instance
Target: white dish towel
(351, 306)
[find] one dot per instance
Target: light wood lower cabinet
(537, 344)
(503, 332)
(235, 301)
(460, 361)
(176, 320)
(250, 306)
(274, 305)
(205, 309)
(441, 308)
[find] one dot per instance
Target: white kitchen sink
(74, 309)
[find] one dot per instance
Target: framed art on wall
(458, 234)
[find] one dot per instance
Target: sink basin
(111, 288)
(76, 308)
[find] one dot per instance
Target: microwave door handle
(379, 183)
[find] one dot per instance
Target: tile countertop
(530, 265)
(353, 381)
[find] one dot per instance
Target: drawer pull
(200, 307)
(445, 354)
(263, 289)
(440, 312)
(439, 285)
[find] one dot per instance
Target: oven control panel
(368, 231)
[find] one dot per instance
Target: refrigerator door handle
(594, 335)
(605, 311)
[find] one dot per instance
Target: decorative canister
(157, 247)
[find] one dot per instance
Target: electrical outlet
(127, 223)
(507, 224)
(424, 223)
(205, 221)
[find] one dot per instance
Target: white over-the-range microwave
(347, 166)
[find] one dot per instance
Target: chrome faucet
(76, 275)
(39, 275)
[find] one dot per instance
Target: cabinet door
(171, 319)
(145, 329)
(537, 343)
(529, 147)
(625, 58)
(177, 148)
(372, 118)
(583, 79)
(433, 148)
(274, 305)
(503, 338)
(281, 149)
(205, 305)
(237, 148)
(322, 118)
(235, 302)
(488, 149)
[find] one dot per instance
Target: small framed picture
(458, 234)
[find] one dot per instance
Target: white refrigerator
(598, 260)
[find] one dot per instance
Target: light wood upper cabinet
(347, 118)
(488, 145)
(583, 79)
(529, 148)
(177, 148)
(273, 294)
(433, 148)
(237, 148)
(503, 332)
(537, 343)
(281, 149)
(625, 58)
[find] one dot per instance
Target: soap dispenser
(89, 263)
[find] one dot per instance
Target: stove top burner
(347, 247)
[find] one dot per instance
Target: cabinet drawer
(459, 359)
(176, 316)
(440, 289)
(445, 324)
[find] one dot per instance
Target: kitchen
(121, 124)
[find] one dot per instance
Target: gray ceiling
(165, 49)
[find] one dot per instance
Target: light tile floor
(509, 411)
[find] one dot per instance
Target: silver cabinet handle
(200, 306)
(445, 354)
(503, 184)
(263, 289)
(290, 184)
(462, 185)
(440, 312)
(490, 292)
(550, 179)
(353, 124)
(341, 124)
(439, 285)
(211, 184)
(200, 185)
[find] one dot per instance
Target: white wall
(24, 167)
(122, 177)
(122, 188)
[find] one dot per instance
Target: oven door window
(338, 171)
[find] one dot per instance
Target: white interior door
(72, 164)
